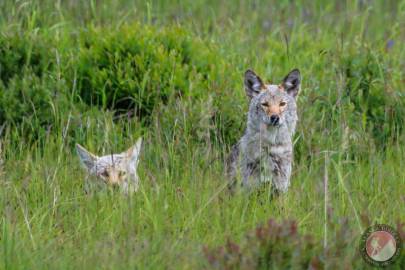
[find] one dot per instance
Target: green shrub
(137, 70)
(140, 68)
(32, 104)
(146, 70)
(30, 96)
(23, 51)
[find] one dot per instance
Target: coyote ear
(133, 152)
(88, 159)
(253, 84)
(292, 82)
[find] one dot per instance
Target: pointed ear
(88, 159)
(133, 152)
(253, 84)
(292, 82)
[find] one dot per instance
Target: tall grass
(103, 73)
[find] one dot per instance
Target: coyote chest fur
(265, 152)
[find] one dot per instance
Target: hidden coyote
(265, 151)
(116, 169)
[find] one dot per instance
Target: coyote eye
(122, 174)
(105, 174)
(265, 104)
(282, 104)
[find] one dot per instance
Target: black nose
(274, 119)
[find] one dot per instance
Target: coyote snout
(265, 152)
(117, 170)
(274, 119)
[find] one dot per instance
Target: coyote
(265, 151)
(116, 169)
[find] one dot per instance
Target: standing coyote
(265, 151)
(115, 169)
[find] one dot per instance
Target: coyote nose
(274, 118)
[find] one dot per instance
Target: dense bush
(140, 67)
(24, 51)
(31, 95)
(135, 69)
(158, 73)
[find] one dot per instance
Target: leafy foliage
(140, 67)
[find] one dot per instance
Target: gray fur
(115, 169)
(265, 151)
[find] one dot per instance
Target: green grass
(52, 96)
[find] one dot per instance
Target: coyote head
(272, 104)
(115, 169)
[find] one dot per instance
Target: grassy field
(103, 73)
